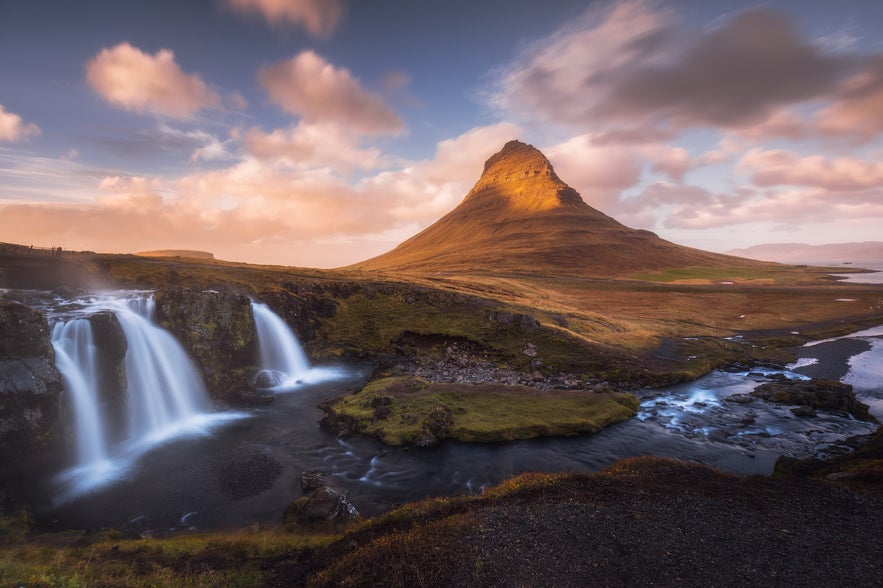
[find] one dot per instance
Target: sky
(320, 133)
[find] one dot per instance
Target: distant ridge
(521, 218)
(802, 253)
(177, 253)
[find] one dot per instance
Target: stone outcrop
(815, 394)
(111, 363)
(218, 331)
(322, 505)
(30, 385)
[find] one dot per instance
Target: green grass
(482, 413)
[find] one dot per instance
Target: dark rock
(110, 362)
(218, 331)
(803, 411)
(311, 480)
(434, 427)
(739, 398)
(323, 505)
(382, 412)
(30, 385)
(818, 394)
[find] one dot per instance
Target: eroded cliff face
(217, 329)
(30, 385)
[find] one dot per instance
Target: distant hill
(177, 253)
(801, 253)
(520, 218)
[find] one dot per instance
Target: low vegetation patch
(407, 410)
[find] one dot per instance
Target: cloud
(308, 86)
(598, 172)
(264, 209)
(779, 167)
(140, 82)
(309, 145)
(13, 128)
(857, 110)
(630, 65)
(319, 17)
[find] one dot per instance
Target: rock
(803, 411)
(111, 341)
(435, 427)
(311, 480)
(218, 331)
(818, 394)
(30, 386)
(323, 505)
(739, 398)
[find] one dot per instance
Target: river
(246, 469)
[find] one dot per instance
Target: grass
(480, 413)
(606, 327)
(76, 559)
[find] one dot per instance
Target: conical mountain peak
(520, 218)
(520, 178)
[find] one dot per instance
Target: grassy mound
(406, 410)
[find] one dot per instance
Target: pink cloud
(313, 145)
(319, 17)
(858, 108)
(13, 128)
(779, 167)
(598, 172)
(140, 82)
(308, 86)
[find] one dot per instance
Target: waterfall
(283, 361)
(165, 391)
(75, 356)
(165, 397)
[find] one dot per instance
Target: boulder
(311, 480)
(322, 505)
(30, 385)
(218, 331)
(435, 427)
(815, 394)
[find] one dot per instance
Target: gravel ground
(714, 532)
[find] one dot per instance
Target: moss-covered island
(411, 411)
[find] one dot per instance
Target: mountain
(520, 218)
(177, 253)
(802, 253)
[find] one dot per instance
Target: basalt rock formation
(30, 385)
(521, 218)
(217, 329)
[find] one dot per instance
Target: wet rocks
(30, 385)
(312, 480)
(218, 331)
(322, 505)
(814, 394)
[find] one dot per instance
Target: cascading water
(165, 393)
(164, 397)
(75, 356)
(283, 361)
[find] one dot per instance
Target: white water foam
(284, 365)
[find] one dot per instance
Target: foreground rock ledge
(410, 411)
